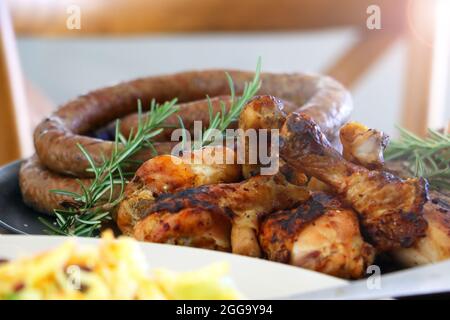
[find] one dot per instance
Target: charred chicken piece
(260, 113)
(435, 246)
(320, 234)
(186, 218)
(362, 145)
(203, 216)
(390, 209)
(166, 174)
(264, 113)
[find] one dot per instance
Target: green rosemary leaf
(183, 133)
(65, 193)
(88, 158)
(53, 229)
(210, 109)
(427, 157)
(231, 86)
(222, 119)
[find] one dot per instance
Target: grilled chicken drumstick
(166, 174)
(203, 216)
(435, 246)
(265, 112)
(262, 112)
(362, 145)
(391, 209)
(320, 234)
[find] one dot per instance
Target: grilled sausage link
(35, 183)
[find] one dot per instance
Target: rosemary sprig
(222, 119)
(425, 157)
(84, 214)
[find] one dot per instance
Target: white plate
(255, 278)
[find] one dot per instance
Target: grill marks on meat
(265, 112)
(168, 174)
(262, 112)
(241, 204)
(391, 209)
(320, 234)
(189, 217)
(435, 246)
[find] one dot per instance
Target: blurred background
(392, 54)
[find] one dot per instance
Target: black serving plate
(15, 216)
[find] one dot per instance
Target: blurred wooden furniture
(15, 138)
(120, 17)
(428, 49)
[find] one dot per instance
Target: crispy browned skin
(435, 246)
(391, 209)
(242, 203)
(264, 112)
(56, 138)
(362, 145)
(320, 234)
(168, 174)
(194, 225)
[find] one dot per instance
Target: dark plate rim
(3, 224)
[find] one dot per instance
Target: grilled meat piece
(362, 145)
(435, 246)
(186, 219)
(196, 216)
(260, 113)
(166, 173)
(390, 209)
(264, 113)
(320, 234)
